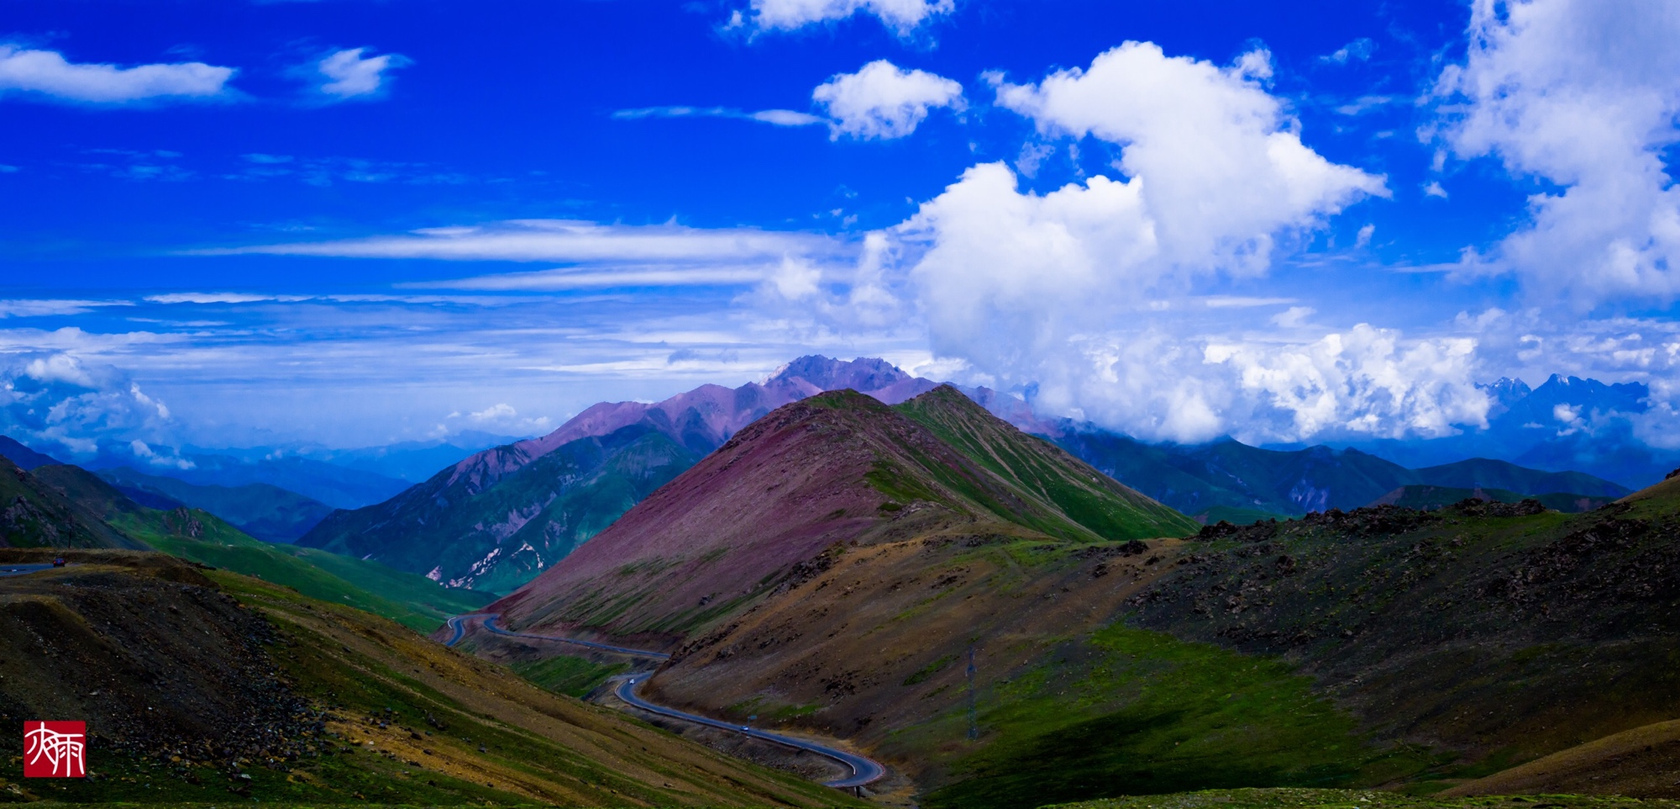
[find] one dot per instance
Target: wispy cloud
(560, 279)
(48, 307)
(49, 74)
(325, 171)
(1359, 50)
(347, 74)
(772, 117)
(561, 241)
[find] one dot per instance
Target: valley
(926, 586)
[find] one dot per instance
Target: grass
(413, 601)
(565, 674)
(1344, 799)
(408, 722)
(1128, 711)
(926, 672)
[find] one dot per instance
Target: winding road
(864, 770)
(20, 570)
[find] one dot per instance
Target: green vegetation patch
(1345, 799)
(926, 672)
(1128, 711)
(413, 601)
(565, 674)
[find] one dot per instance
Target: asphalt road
(20, 570)
(864, 771)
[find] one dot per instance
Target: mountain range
(499, 517)
(61, 506)
(998, 620)
(806, 483)
(1567, 423)
(1229, 480)
(496, 519)
(264, 511)
(1011, 628)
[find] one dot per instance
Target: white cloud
(1215, 173)
(57, 400)
(901, 16)
(50, 74)
(624, 276)
(1358, 50)
(772, 117)
(1433, 189)
(50, 307)
(884, 101)
(1362, 382)
(560, 240)
(505, 418)
(144, 452)
(1585, 95)
(494, 412)
(348, 75)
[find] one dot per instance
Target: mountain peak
(825, 373)
(836, 469)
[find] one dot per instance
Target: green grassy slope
(414, 601)
(1039, 470)
(1494, 631)
(1348, 799)
(371, 712)
(565, 674)
(207, 539)
(1131, 711)
(58, 506)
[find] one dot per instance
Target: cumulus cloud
(60, 401)
(1050, 289)
(1362, 382)
(1583, 95)
(884, 101)
(900, 16)
(346, 74)
(503, 418)
(49, 74)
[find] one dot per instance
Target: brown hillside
(830, 566)
(201, 686)
(777, 503)
(1639, 763)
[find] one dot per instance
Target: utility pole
(973, 724)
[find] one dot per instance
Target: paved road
(864, 771)
(490, 624)
(20, 570)
(455, 624)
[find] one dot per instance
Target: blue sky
(355, 222)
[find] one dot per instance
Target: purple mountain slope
(498, 518)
